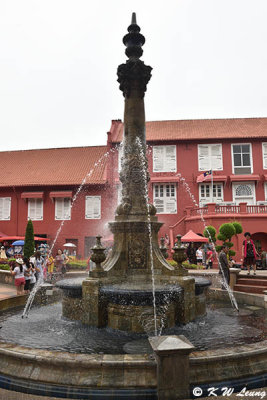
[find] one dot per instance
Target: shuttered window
(62, 208)
(5, 207)
(164, 158)
(210, 157)
(93, 207)
(264, 155)
(165, 198)
(209, 193)
(35, 209)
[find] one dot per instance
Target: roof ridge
(54, 148)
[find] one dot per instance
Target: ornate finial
(133, 19)
(98, 257)
(134, 40)
(134, 73)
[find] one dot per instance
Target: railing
(212, 208)
(228, 209)
(256, 209)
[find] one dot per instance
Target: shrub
(4, 267)
(29, 240)
(210, 233)
(77, 264)
(187, 265)
(227, 230)
(238, 227)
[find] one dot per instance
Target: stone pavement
(7, 291)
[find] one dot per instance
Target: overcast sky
(58, 62)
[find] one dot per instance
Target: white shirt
(199, 253)
(18, 273)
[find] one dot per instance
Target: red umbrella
(191, 236)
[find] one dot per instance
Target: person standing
(50, 264)
(27, 275)
(249, 253)
(199, 255)
(18, 273)
(39, 265)
(60, 261)
(224, 265)
(209, 259)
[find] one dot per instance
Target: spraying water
(40, 279)
(225, 283)
(143, 160)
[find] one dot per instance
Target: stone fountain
(135, 283)
(136, 280)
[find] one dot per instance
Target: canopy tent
(7, 238)
(191, 236)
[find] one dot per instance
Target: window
(62, 208)
(93, 207)
(210, 157)
(165, 198)
(164, 158)
(206, 195)
(264, 155)
(5, 206)
(242, 160)
(244, 192)
(35, 209)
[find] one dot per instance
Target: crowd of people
(27, 271)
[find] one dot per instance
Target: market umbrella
(69, 245)
(191, 236)
(18, 243)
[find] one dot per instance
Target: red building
(42, 184)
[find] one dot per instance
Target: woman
(27, 275)
(59, 261)
(249, 253)
(199, 255)
(39, 265)
(18, 272)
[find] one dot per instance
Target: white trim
(165, 199)
(236, 199)
(163, 148)
(262, 145)
(211, 198)
(251, 158)
(93, 215)
(210, 166)
(64, 217)
(34, 202)
(5, 201)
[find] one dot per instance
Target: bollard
(172, 356)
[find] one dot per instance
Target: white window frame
(33, 217)
(8, 214)
(164, 149)
(236, 199)
(87, 215)
(251, 158)
(66, 216)
(210, 166)
(264, 164)
(165, 198)
(211, 198)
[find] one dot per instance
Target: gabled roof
(198, 129)
(66, 166)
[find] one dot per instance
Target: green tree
(210, 233)
(29, 240)
(226, 232)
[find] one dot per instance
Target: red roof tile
(199, 129)
(66, 166)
